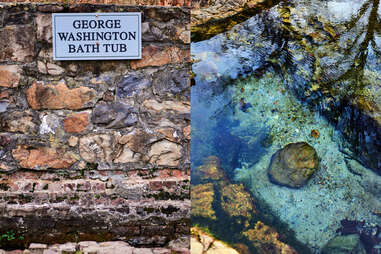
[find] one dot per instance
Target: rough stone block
(37, 248)
(17, 43)
(48, 96)
(96, 147)
(114, 115)
(158, 107)
(187, 132)
(19, 122)
(76, 123)
(42, 157)
(9, 75)
(156, 56)
(44, 27)
(143, 251)
(165, 153)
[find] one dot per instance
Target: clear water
(298, 67)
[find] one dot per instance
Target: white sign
(94, 36)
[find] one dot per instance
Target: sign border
(137, 57)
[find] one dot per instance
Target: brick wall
(94, 150)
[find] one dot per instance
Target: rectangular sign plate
(96, 36)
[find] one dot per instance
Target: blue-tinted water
(303, 71)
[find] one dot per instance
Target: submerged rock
(236, 201)
(229, 211)
(349, 244)
(266, 240)
(211, 169)
(293, 165)
(202, 196)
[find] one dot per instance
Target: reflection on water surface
(299, 72)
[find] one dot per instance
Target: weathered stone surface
(156, 56)
(54, 69)
(44, 27)
(196, 246)
(114, 115)
(73, 141)
(19, 121)
(293, 165)
(165, 153)
(47, 96)
(171, 82)
(202, 243)
(181, 245)
(76, 122)
(96, 147)
(17, 43)
(69, 248)
(161, 31)
(155, 106)
(41, 66)
(127, 155)
(42, 157)
(183, 33)
(169, 133)
(266, 240)
(36, 248)
(187, 132)
(9, 75)
(51, 8)
(137, 140)
(4, 140)
(93, 247)
(220, 9)
(49, 123)
(4, 95)
(348, 244)
(3, 106)
(132, 84)
(49, 68)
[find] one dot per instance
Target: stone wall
(124, 2)
(94, 150)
